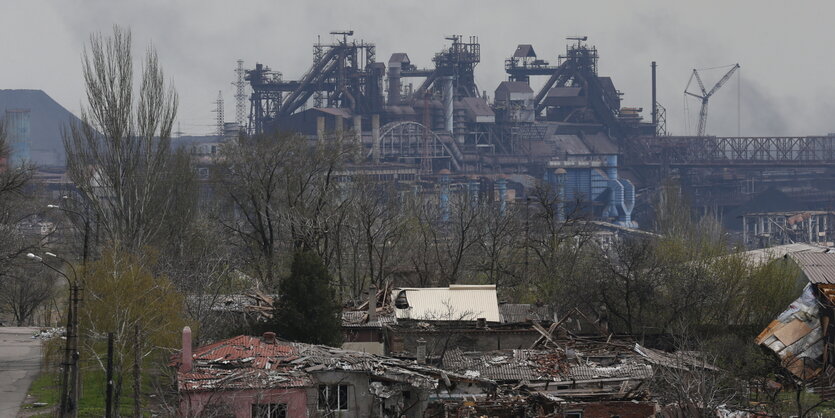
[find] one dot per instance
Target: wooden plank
(768, 331)
(791, 332)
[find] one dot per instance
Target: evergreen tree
(307, 310)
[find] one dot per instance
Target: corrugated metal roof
(818, 267)
(453, 303)
(764, 255)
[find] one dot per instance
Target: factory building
(438, 122)
(572, 131)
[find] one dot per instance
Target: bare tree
(558, 242)
(119, 156)
(23, 288)
(378, 222)
(283, 191)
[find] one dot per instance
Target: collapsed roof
(246, 362)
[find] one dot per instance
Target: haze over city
(427, 209)
(784, 73)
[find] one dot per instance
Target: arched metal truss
(405, 139)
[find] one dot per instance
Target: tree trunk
(137, 380)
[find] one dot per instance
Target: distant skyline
(783, 48)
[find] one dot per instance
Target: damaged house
(577, 377)
(803, 336)
(397, 321)
(248, 376)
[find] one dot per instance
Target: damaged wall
(404, 339)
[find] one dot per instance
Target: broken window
(333, 397)
(269, 410)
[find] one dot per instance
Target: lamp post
(86, 219)
(69, 381)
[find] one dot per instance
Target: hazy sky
(785, 48)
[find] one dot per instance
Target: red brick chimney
(372, 303)
(269, 337)
(187, 359)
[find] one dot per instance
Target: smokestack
(420, 351)
(448, 104)
(394, 83)
(320, 128)
(372, 303)
(186, 353)
(375, 138)
(654, 100)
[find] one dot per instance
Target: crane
(706, 94)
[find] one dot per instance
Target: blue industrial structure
(592, 181)
(18, 131)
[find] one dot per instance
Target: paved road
(20, 359)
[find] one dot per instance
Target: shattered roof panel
(796, 336)
(359, 319)
(453, 303)
(513, 313)
(544, 365)
(246, 362)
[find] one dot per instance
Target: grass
(46, 388)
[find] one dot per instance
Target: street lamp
(85, 217)
(69, 398)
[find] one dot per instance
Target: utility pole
(76, 381)
(137, 379)
(68, 406)
(109, 394)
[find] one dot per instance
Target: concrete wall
(238, 403)
(405, 340)
(622, 409)
(362, 402)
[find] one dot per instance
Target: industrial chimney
(372, 303)
(187, 359)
